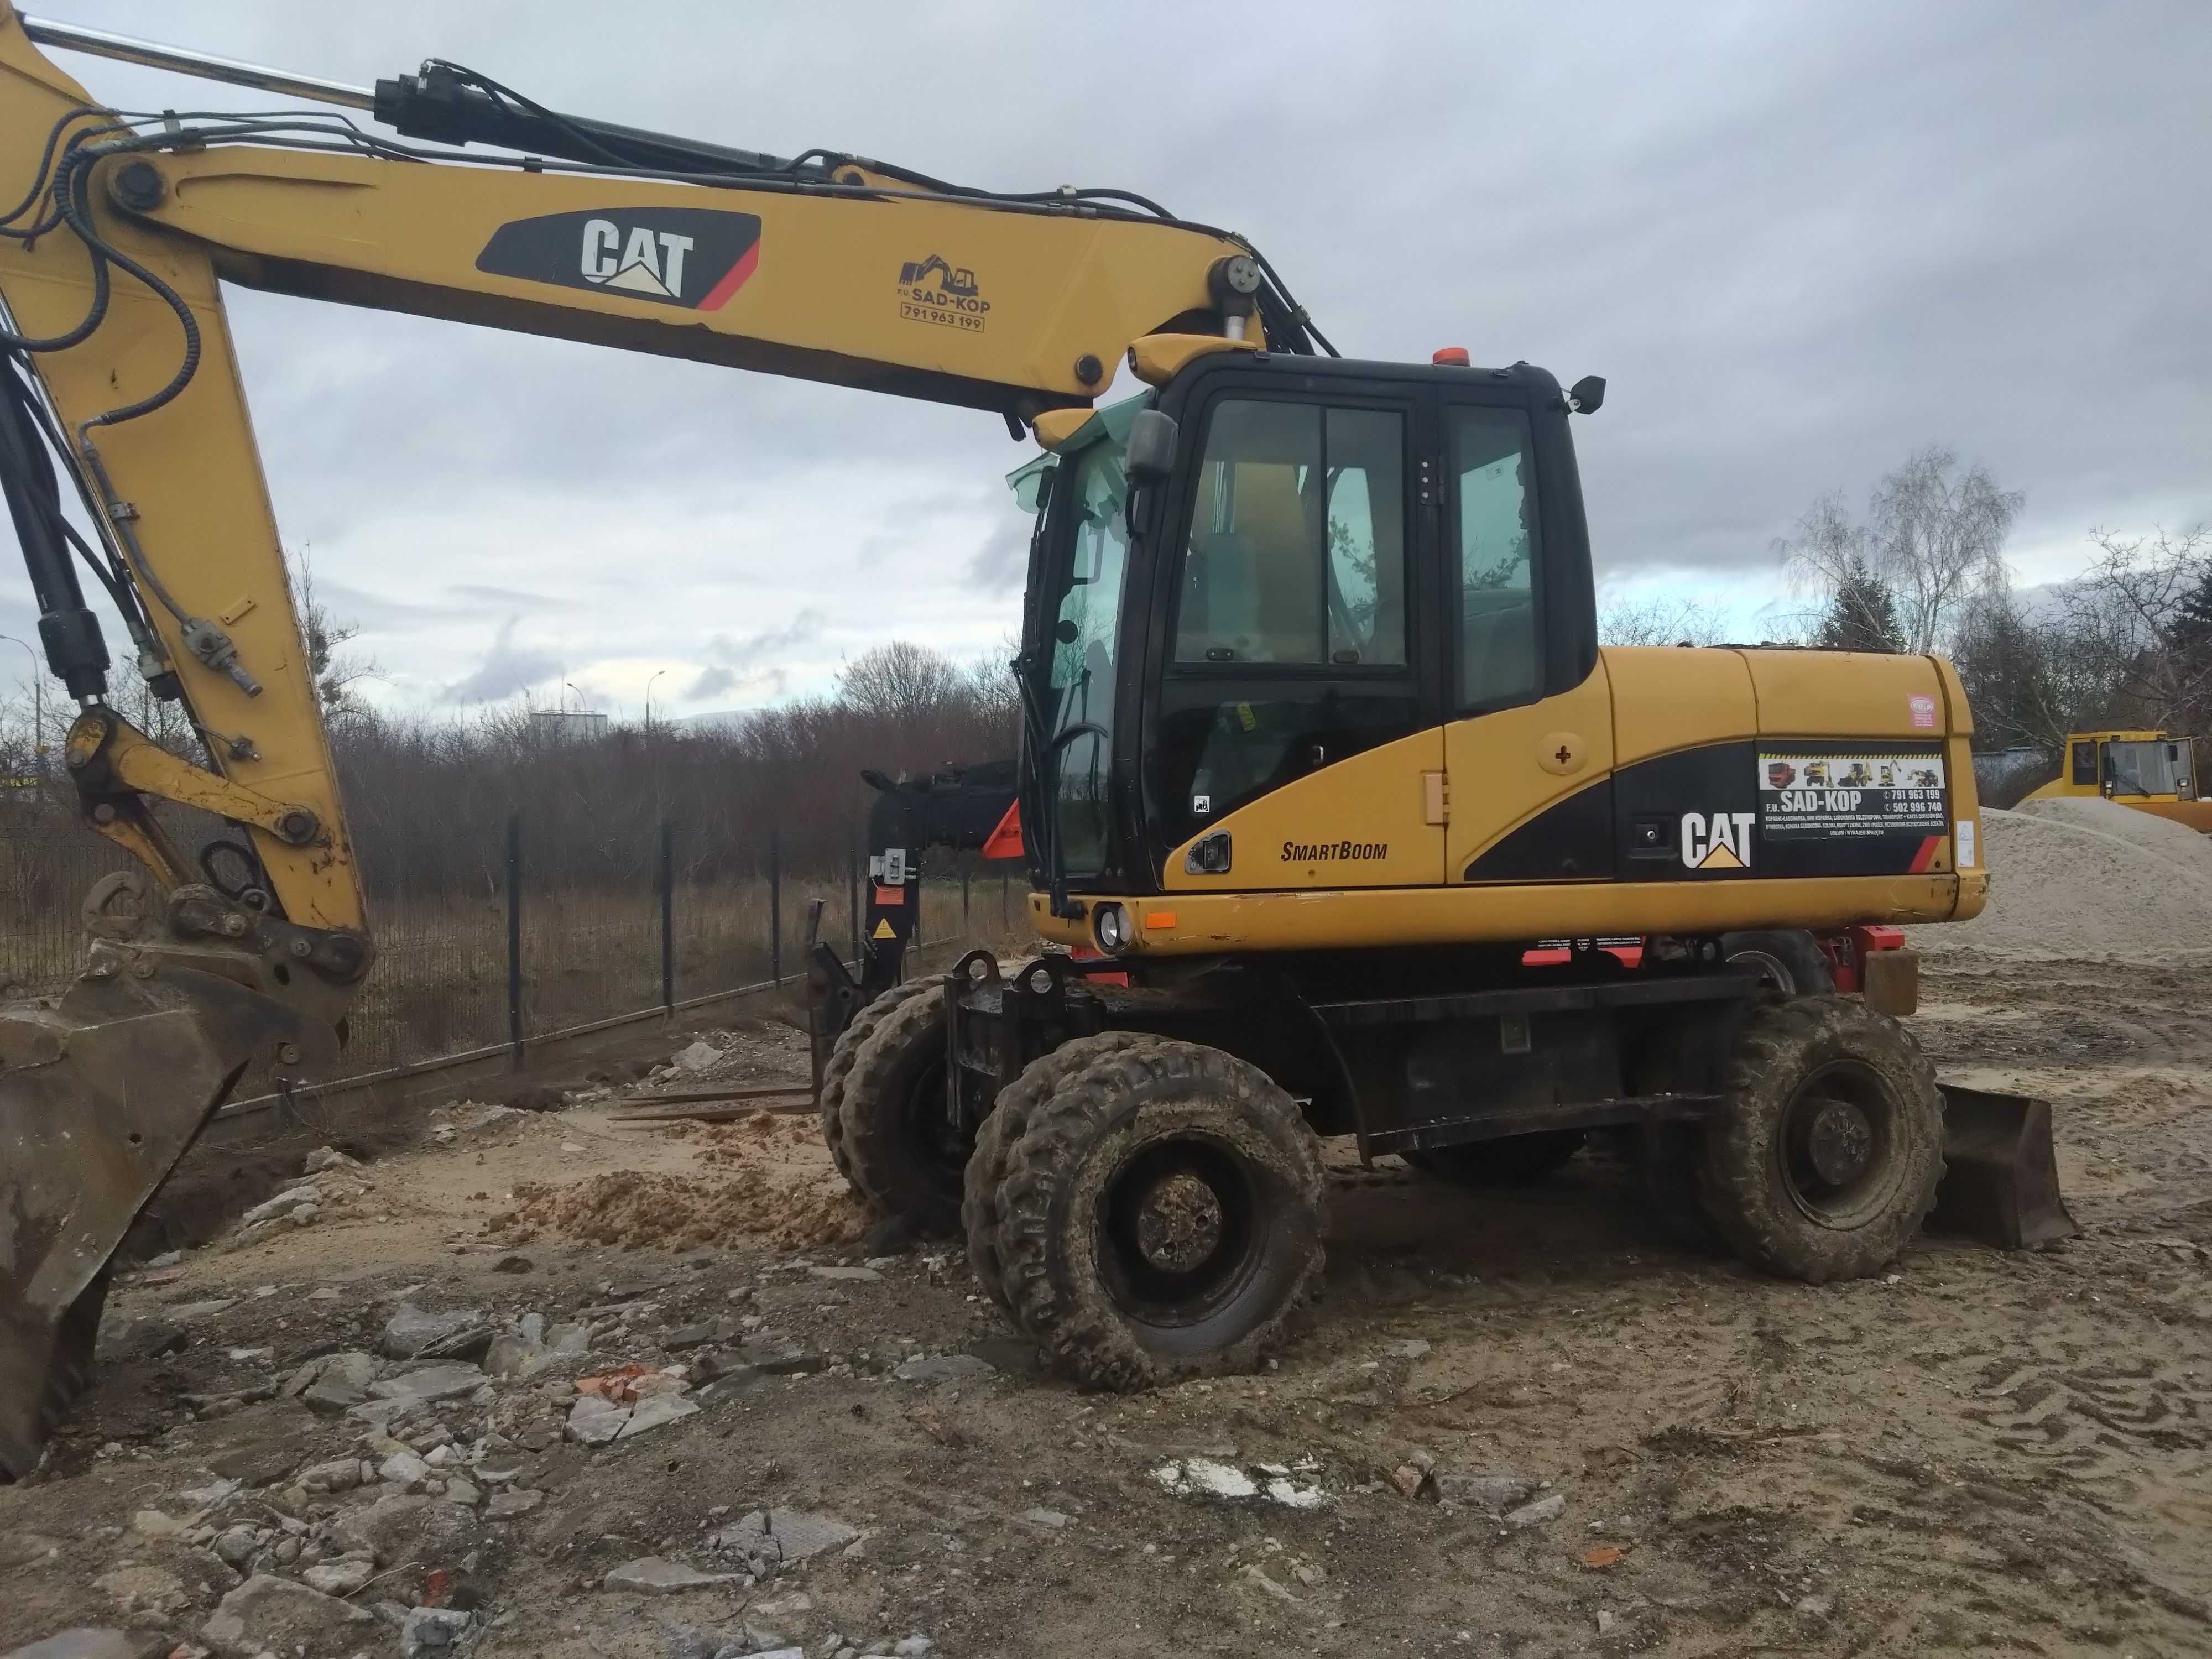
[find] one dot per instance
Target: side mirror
(1587, 395)
(1152, 448)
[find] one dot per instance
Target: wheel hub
(1839, 1142)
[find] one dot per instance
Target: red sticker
(1922, 710)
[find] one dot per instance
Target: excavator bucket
(2001, 1176)
(101, 1092)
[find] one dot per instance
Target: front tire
(1161, 1217)
(842, 1055)
(907, 1154)
(1828, 1146)
(1788, 959)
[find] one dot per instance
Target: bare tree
(336, 669)
(1933, 540)
(1661, 621)
(2138, 618)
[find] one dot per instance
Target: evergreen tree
(1861, 613)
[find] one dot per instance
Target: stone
(151, 1338)
(768, 1539)
(432, 1630)
(513, 1357)
(688, 1336)
(1536, 1514)
(234, 1545)
(411, 1330)
(152, 1524)
(508, 1506)
(185, 1313)
(531, 1328)
(944, 1368)
(340, 1577)
(87, 1642)
(403, 1468)
(328, 1158)
(1491, 1494)
(699, 1056)
(440, 1381)
(653, 1383)
(332, 1399)
(572, 1339)
(780, 1356)
(265, 1612)
(848, 1275)
(654, 1575)
(913, 1647)
(594, 1421)
(1411, 1348)
(462, 1492)
(1052, 1519)
(262, 1464)
(274, 1209)
(138, 1589)
(654, 1412)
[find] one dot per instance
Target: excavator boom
(120, 379)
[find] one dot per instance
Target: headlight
(1111, 923)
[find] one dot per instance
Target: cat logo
(694, 257)
(1720, 843)
(933, 290)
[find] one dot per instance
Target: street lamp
(655, 675)
(37, 703)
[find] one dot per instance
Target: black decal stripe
(1570, 840)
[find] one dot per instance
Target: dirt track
(1999, 1454)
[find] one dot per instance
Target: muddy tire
(1010, 1116)
(1788, 959)
(1514, 1161)
(906, 1155)
(839, 1065)
(1161, 1217)
(1828, 1146)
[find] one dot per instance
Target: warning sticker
(1811, 797)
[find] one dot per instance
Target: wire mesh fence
(547, 929)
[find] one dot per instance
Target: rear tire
(1513, 1161)
(1788, 959)
(1828, 1147)
(907, 1156)
(839, 1065)
(1161, 1217)
(1010, 1116)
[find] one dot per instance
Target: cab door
(1293, 737)
(1528, 759)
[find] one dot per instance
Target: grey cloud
(751, 657)
(1001, 564)
(506, 669)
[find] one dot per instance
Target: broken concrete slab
(440, 1381)
(944, 1368)
(593, 1421)
(655, 1411)
(411, 1329)
(654, 1574)
(267, 1612)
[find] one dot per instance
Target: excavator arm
(121, 379)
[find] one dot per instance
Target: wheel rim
(933, 1141)
(1771, 968)
(1179, 1233)
(1836, 1151)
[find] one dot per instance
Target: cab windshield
(1078, 611)
(2144, 769)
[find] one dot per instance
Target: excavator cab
(1308, 565)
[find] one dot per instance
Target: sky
(1799, 241)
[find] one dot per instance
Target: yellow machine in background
(2148, 771)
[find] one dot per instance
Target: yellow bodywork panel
(1362, 822)
(1158, 358)
(1662, 694)
(1505, 767)
(915, 294)
(1856, 695)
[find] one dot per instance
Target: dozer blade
(2001, 1179)
(100, 1093)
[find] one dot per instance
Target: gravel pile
(2086, 879)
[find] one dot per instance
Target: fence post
(853, 894)
(776, 906)
(514, 940)
(667, 916)
(967, 869)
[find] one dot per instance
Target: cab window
(1296, 552)
(1493, 466)
(2085, 765)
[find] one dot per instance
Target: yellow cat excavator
(1317, 732)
